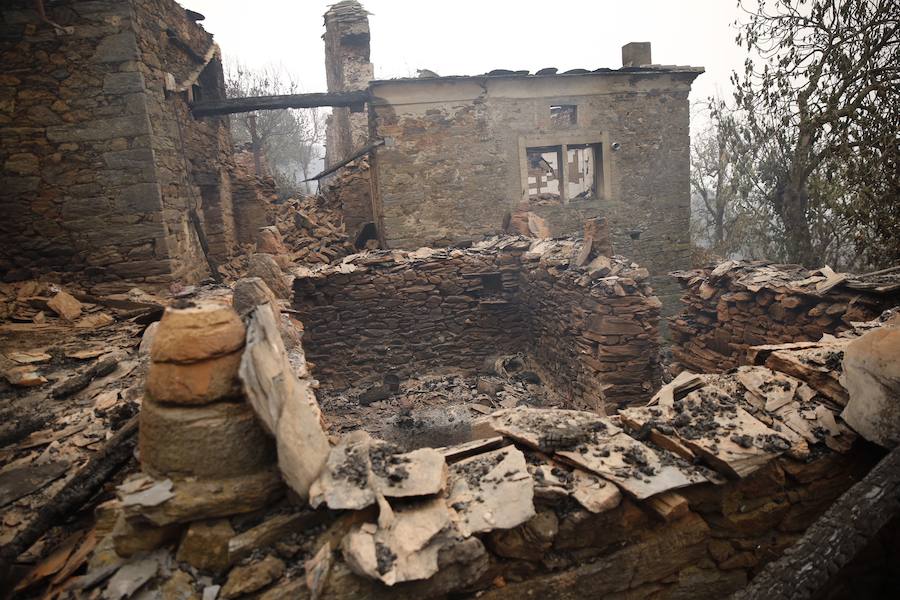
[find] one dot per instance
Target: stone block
(213, 441)
(119, 47)
(123, 83)
(197, 333)
(205, 545)
(196, 383)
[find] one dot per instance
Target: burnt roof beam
(355, 100)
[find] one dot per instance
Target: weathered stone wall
(453, 165)
(347, 68)
(736, 305)
(100, 163)
(193, 156)
(407, 318)
(597, 340)
(712, 550)
(593, 336)
(350, 190)
(80, 190)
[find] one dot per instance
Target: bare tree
(291, 139)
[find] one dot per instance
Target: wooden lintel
(208, 108)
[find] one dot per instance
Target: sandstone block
(250, 292)
(196, 333)
(266, 268)
(251, 578)
(205, 545)
(65, 305)
(211, 441)
(872, 376)
(195, 383)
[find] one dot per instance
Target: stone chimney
(347, 68)
(636, 54)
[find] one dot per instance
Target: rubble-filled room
(279, 321)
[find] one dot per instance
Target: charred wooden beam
(832, 541)
(346, 161)
(207, 108)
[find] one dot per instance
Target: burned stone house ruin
(442, 376)
(453, 159)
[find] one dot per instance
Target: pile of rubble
(692, 492)
(739, 304)
(313, 232)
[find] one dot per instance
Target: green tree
(818, 98)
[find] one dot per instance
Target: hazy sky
(468, 37)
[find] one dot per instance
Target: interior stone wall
(595, 338)
(409, 318)
(597, 342)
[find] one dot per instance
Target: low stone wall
(595, 338)
(377, 314)
(593, 335)
(735, 305)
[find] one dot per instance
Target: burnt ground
(434, 409)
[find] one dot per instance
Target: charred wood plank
(78, 490)
(832, 541)
(207, 108)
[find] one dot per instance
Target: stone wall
(100, 163)
(410, 317)
(347, 68)
(453, 166)
(596, 339)
(738, 304)
(591, 333)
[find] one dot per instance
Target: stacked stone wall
(409, 318)
(596, 340)
(593, 337)
(730, 307)
(100, 164)
(80, 191)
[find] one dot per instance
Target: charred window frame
(562, 168)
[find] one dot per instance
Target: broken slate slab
(360, 468)
(285, 405)
(636, 468)
(22, 481)
(491, 491)
(547, 430)
(405, 550)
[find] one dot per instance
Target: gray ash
(744, 441)
(385, 557)
(354, 468)
(387, 464)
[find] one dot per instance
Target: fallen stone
(285, 405)
(251, 578)
(266, 268)
(210, 499)
(131, 537)
(179, 586)
(65, 305)
(359, 469)
(198, 332)
(491, 491)
(250, 292)
(24, 376)
(530, 540)
(406, 549)
(212, 441)
(270, 531)
(205, 545)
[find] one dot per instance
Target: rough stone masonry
(102, 162)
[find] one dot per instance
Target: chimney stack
(636, 54)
